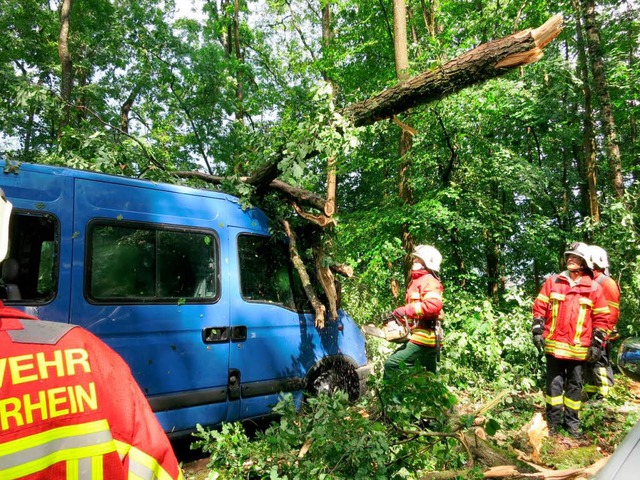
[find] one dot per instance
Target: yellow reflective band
(424, 337)
(145, 467)
(614, 305)
(553, 401)
(572, 404)
(601, 375)
(585, 301)
(542, 298)
(590, 389)
(417, 306)
(26, 456)
(561, 349)
(72, 470)
(414, 297)
(559, 297)
(602, 310)
(582, 313)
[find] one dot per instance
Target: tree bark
(602, 91)
(406, 135)
(588, 136)
(487, 61)
(66, 77)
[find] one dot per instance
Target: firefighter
(598, 376)
(69, 406)
(570, 318)
(421, 313)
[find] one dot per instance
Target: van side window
(140, 263)
(265, 273)
(30, 271)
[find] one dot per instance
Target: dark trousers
(411, 354)
(598, 376)
(564, 392)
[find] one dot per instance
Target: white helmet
(430, 256)
(581, 250)
(599, 257)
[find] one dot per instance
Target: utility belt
(426, 324)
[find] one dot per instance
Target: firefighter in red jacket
(422, 312)
(598, 376)
(69, 406)
(570, 317)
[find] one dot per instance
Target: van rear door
(147, 261)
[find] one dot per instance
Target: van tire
(333, 377)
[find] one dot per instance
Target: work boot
(575, 433)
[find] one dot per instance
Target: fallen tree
(487, 61)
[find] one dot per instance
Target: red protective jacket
(571, 312)
(423, 306)
(611, 294)
(70, 408)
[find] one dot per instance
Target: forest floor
(556, 452)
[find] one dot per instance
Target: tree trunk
(588, 136)
(406, 138)
(66, 77)
(602, 91)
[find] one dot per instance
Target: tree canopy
(268, 99)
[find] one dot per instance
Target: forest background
(500, 176)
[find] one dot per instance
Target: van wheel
(332, 380)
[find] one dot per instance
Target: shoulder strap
(40, 332)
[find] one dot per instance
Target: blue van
(189, 288)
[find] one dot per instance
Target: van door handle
(238, 334)
(215, 334)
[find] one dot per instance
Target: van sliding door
(148, 263)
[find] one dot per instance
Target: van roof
(258, 221)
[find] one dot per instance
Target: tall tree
(66, 63)
(602, 91)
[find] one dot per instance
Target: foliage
(496, 172)
(328, 438)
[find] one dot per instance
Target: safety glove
(400, 313)
(537, 329)
(387, 317)
(597, 345)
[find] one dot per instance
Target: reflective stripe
(145, 467)
(417, 307)
(414, 297)
(564, 350)
(553, 401)
(572, 404)
(424, 337)
(32, 454)
(601, 310)
(603, 380)
(85, 468)
(543, 298)
(585, 303)
(615, 305)
(559, 297)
